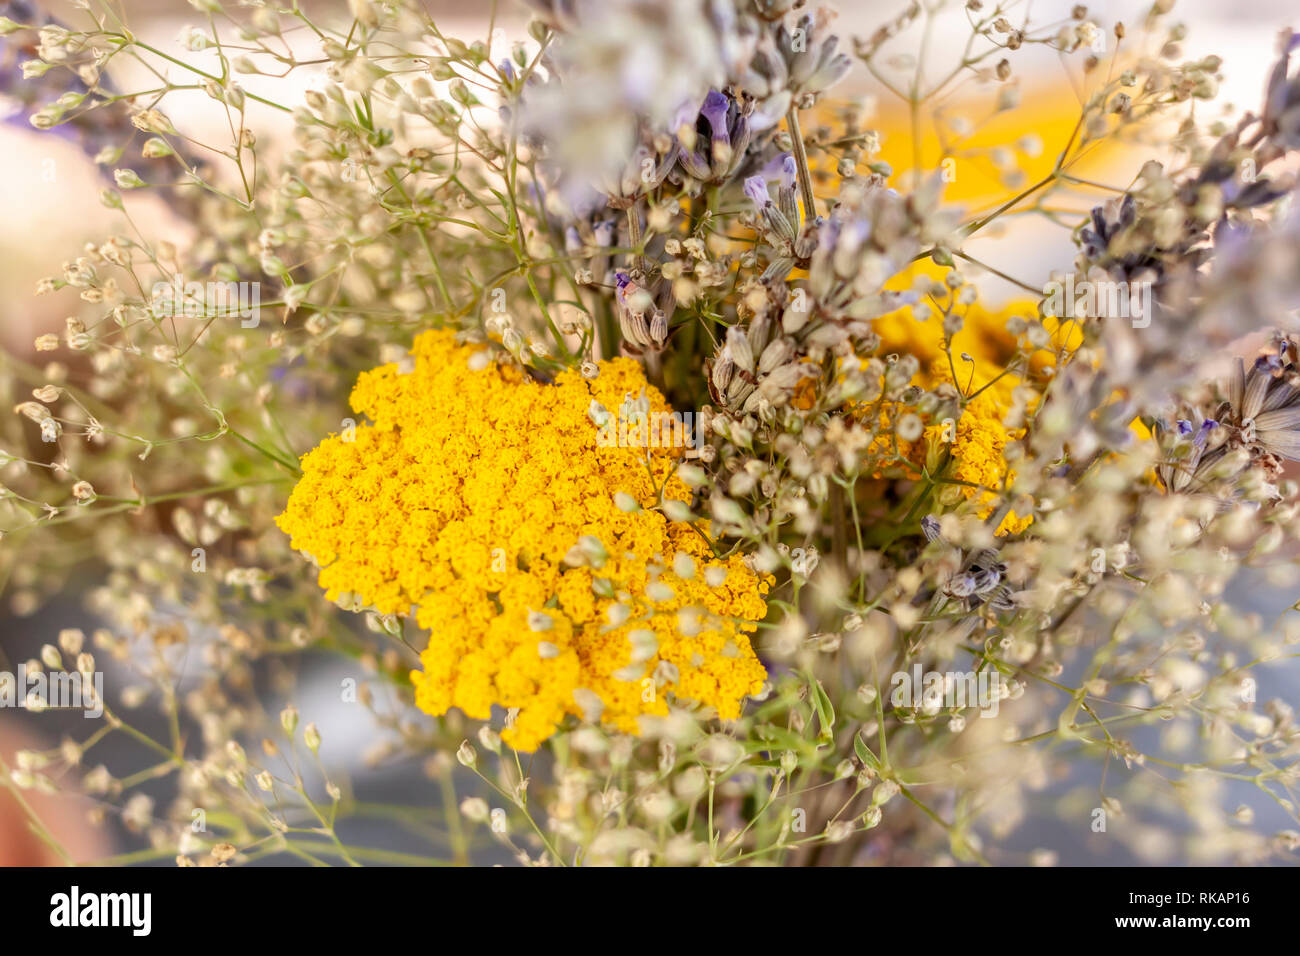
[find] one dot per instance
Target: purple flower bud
(508, 71)
(715, 111)
(756, 190)
(780, 169)
(788, 171)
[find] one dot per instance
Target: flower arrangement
(703, 496)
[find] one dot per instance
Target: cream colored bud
(490, 739)
(71, 640)
(224, 852)
(466, 755)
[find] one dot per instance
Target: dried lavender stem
(801, 164)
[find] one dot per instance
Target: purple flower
(1268, 362)
(729, 132)
(788, 171)
(756, 190)
(715, 111)
(780, 169)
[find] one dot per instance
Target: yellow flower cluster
(977, 439)
(484, 500)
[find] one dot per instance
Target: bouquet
(655, 450)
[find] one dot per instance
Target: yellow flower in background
(976, 440)
(986, 154)
(982, 165)
(483, 500)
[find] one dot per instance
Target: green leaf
(778, 738)
(825, 711)
(864, 753)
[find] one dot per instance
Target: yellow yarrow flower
(977, 439)
(467, 500)
(976, 442)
